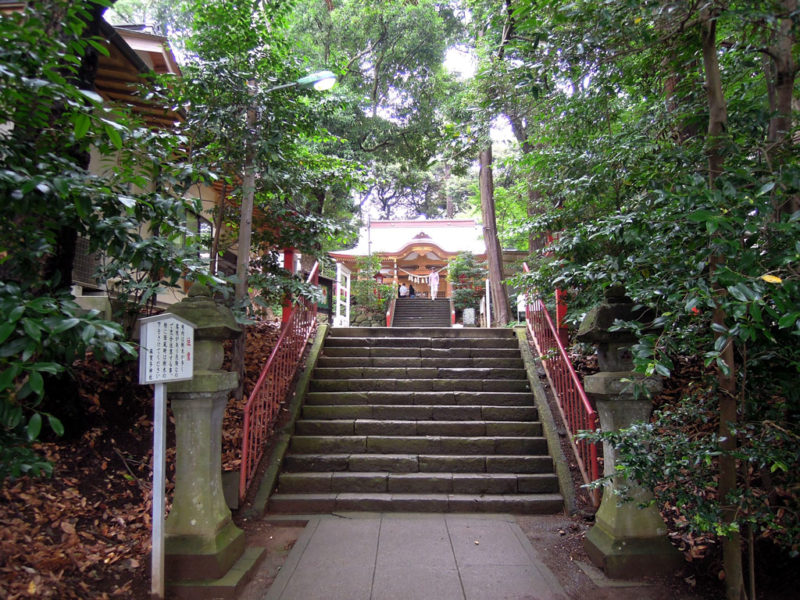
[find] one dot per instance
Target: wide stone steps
(418, 420)
(461, 428)
(419, 385)
(421, 342)
(418, 463)
(421, 312)
(436, 334)
(422, 444)
(411, 483)
(345, 362)
(421, 502)
(438, 354)
(419, 412)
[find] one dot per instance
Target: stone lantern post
(201, 540)
(627, 541)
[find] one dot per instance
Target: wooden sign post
(166, 354)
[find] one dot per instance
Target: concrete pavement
(400, 556)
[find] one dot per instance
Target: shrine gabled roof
(452, 236)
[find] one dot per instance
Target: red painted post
(561, 317)
(288, 264)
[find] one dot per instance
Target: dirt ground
(278, 540)
(558, 540)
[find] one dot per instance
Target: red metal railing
(574, 406)
(273, 384)
(390, 311)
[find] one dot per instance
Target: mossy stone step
(399, 502)
(458, 373)
(429, 412)
(419, 398)
(417, 362)
(417, 463)
(436, 353)
(419, 385)
(475, 427)
(448, 483)
(420, 342)
(428, 333)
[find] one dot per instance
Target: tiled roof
(390, 237)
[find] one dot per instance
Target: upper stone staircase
(434, 420)
(421, 312)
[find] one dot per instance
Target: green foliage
(612, 103)
(467, 277)
(365, 290)
(240, 54)
(681, 469)
(388, 108)
(51, 198)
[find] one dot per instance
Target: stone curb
(267, 483)
(565, 484)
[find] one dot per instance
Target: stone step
(375, 373)
(435, 353)
(415, 398)
(418, 444)
(420, 385)
(422, 412)
(420, 342)
(394, 502)
(444, 332)
(418, 362)
(418, 463)
(416, 427)
(404, 483)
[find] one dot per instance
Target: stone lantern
(627, 541)
(201, 540)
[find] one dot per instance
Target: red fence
(390, 311)
(273, 384)
(574, 406)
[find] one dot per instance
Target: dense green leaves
(608, 101)
(54, 196)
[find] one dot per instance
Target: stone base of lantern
(228, 586)
(194, 557)
(631, 557)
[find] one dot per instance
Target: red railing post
(573, 404)
(561, 316)
(274, 383)
(288, 264)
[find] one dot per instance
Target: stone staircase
(434, 420)
(421, 312)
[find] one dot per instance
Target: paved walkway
(358, 556)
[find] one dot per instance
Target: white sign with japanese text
(166, 349)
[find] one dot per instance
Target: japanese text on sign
(167, 349)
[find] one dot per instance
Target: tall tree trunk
(493, 251)
(781, 87)
(219, 219)
(535, 202)
(243, 252)
(448, 196)
(717, 125)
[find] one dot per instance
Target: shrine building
(410, 249)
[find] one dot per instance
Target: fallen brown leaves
(85, 532)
